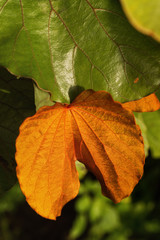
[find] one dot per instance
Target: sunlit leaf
(94, 130)
(145, 104)
(112, 145)
(46, 160)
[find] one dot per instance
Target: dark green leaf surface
(68, 46)
(16, 103)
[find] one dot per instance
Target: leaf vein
(76, 44)
(101, 120)
(3, 6)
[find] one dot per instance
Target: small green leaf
(144, 15)
(16, 103)
(83, 204)
(97, 209)
(82, 171)
(79, 226)
(149, 123)
(143, 127)
(152, 122)
(108, 222)
(69, 46)
(42, 98)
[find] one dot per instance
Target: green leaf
(149, 123)
(140, 121)
(152, 122)
(16, 103)
(97, 209)
(82, 170)
(79, 227)
(144, 15)
(69, 46)
(108, 223)
(83, 203)
(42, 98)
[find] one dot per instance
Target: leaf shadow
(74, 91)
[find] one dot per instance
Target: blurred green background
(90, 216)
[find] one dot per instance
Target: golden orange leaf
(46, 160)
(149, 103)
(111, 143)
(95, 130)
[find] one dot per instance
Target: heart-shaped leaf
(69, 46)
(95, 130)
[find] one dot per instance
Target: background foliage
(90, 216)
